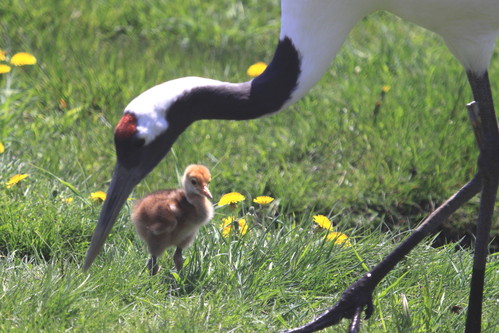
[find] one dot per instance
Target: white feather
(318, 28)
(151, 106)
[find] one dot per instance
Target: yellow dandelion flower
(4, 68)
(2, 148)
(229, 226)
(68, 200)
(23, 59)
(226, 221)
(2, 55)
(323, 222)
(386, 89)
(231, 198)
(256, 69)
(226, 225)
(98, 196)
(243, 227)
(15, 179)
(263, 200)
(339, 238)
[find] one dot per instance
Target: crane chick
(173, 217)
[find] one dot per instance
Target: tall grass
(330, 154)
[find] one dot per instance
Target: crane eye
(193, 182)
(137, 142)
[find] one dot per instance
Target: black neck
(265, 94)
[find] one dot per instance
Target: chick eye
(193, 182)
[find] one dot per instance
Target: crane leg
(488, 168)
(358, 296)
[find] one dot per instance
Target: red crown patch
(126, 127)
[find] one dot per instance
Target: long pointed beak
(121, 186)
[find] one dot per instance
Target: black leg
(359, 295)
(152, 265)
(488, 166)
(178, 259)
(355, 324)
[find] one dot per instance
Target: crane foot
(354, 300)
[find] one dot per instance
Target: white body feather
(318, 28)
(151, 106)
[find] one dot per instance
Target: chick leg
(178, 259)
(152, 265)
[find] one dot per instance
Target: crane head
(143, 136)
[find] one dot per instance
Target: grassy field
(374, 174)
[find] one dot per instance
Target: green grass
(375, 176)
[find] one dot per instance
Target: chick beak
(206, 192)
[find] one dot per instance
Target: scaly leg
(488, 166)
(358, 296)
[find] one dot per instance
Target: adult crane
(311, 34)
